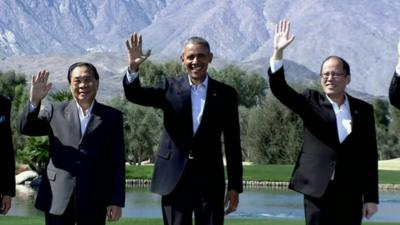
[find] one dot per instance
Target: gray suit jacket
(92, 164)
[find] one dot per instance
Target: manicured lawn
(9, 220)
(389, 177)
(261, 173)
(267, 172)
(139, 172)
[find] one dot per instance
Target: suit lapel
(329, 115)
(95, 120)
(184, 94)
(71, 115)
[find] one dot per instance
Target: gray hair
(197, 40)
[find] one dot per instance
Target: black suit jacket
(220, 116)
(7, 161)
(92, 164)
(354, 160)
(394, 91)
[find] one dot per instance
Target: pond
(254, 203)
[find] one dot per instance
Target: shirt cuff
(275, 64)
(398, 70)
(32, 107)
(131, 76)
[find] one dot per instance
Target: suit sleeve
(287, 95)
(233, 151)
(7, 155)
(370, 160)
(394, 91)
(146, 96)
(36, 122)
(117, 163)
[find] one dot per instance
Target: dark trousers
(71, 217)
(189, 197)
(338, 206)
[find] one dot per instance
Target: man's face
(333, 78)
(83, 85)
(195, 58)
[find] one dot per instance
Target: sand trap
(391, 164)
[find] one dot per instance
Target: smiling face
(334, 79)
(83, 86)
(195, 58)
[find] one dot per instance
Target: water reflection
(254, 203)
(22, 204)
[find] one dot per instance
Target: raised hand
(39, 87)
(135, 53)
(282, 38)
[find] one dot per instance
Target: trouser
(337, 206)
(71, 217)
(190, 197)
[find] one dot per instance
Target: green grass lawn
(261, 173)
(12, 220)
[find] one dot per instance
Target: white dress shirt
(343, 118)
(198, 95)
(84, 117)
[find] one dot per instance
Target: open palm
(282, 38)
(39, 87)
(135, 53)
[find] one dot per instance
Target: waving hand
(40, 87)
(135, 53)
(282, 39)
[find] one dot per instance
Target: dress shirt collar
(88, 111)
(203, 84)
(336, 107)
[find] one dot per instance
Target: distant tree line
(270, 132)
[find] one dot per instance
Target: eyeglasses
(334, 75)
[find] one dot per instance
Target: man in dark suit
(7, 161)
(189, 171)
(84, 181)
(394, 89)
(336, 169)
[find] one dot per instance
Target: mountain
(55, 33)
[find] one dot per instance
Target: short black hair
(85, 64)
(197, 40)
(346, 66)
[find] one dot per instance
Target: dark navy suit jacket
(355, 160)
(220, 117)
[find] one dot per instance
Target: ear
(348, 79)
(182, 58)
(211, 57)
(97, 85)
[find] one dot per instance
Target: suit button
(78, 162)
